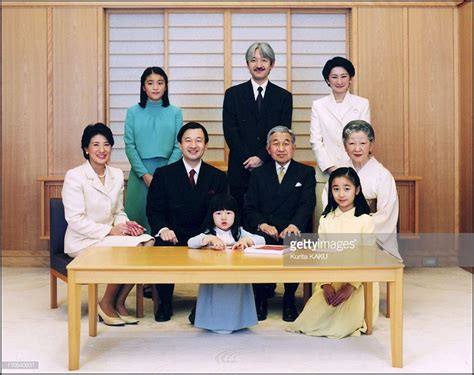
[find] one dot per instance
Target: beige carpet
(437, 334)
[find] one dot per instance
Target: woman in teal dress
(151, 127)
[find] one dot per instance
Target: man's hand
(270, 230)
(290, 229)
(252, 163)
(169, 236)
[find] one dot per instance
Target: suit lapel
(340, 110)
(268, 99)
(280, 193)
(249, 98)
(93, 179)
(348, 105)
(183, 179)
(203, 177)
(110, 182)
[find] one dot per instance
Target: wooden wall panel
(24, 133)
(380, 73)
(431, 114)
(75, 82)
(467, 156)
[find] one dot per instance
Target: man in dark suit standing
(279, 202)
(178, 200)
(250, 110)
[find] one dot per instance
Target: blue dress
(225, 307)
(150, 143)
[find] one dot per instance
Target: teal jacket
(151, 132)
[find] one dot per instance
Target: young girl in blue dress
(224, 308)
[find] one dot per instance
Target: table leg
(387, 312)
(92, 310)
(396, 319)
(74, 320)
(368, 312)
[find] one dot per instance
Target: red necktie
(192, 172)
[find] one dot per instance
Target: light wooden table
(152, 265)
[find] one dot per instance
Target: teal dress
(150, 143)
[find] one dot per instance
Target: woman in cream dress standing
(329, 115)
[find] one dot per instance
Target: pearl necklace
(101, 175)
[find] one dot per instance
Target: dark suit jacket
(291, 202)
(245, 130)
(173, 203)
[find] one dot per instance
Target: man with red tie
(178, 200)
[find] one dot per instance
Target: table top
(183, 258)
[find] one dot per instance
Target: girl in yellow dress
(336, 310)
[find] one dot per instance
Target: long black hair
(145, 74)
(360, 204)
(221, 202)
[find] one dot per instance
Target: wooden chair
(58, 260)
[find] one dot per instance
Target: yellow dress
(320, 319)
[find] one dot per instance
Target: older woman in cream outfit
(93, 205)
(329, 115)
(377, 183)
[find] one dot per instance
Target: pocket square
(298, 184)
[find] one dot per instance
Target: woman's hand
(243, 243)
(119, 230)
(342, 294)
(135, 229)
(213, 242)
(329, 293)
(147, 178)
(330, 169)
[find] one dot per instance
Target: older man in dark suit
(250, 110)
(178, 200)
(280, 201)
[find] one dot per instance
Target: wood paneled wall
(408, 60)
(466, 126)
(24, 132)
(76, 82)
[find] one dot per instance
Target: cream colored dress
(320, 319)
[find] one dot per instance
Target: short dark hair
(221, 202)
(192, 125)
(360, 204)
(145, 74)
(338, 61)
(91, 131)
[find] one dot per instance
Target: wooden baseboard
(25, 258)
